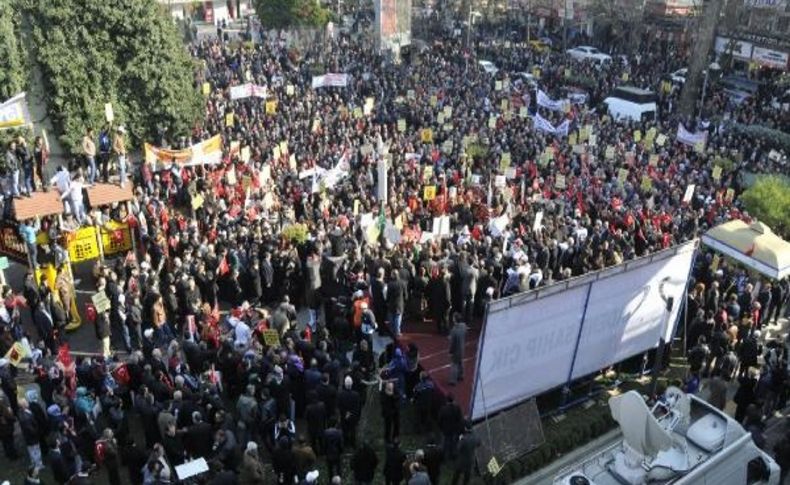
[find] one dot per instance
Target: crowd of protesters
(217, 364)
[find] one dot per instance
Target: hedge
(773, 138)
(12, 60)
(126, 53)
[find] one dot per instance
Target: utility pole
(706, 32)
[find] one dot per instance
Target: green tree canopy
(12, 72)
(769, 201)
(128, 53)
(282, 14)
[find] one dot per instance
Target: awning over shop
(754, 245)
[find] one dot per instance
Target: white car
(488, 67)
(527, 78)
(584, 52)
(679, 76)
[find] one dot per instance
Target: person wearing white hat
(119, 149)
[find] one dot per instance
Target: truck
(680, 440)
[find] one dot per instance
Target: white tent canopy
(754, 245)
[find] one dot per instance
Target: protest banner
(208, 152)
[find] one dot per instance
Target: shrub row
(12, 60)
(125, 53)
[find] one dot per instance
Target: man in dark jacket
(451, 422)
(333, 447)
(396, 302)
(364, 463)
(393, 463)
(457, 344)
(349, 405)
(466, 455)
(31, 432)
(315, 415)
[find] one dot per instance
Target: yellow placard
(83, 245)
(271, 338)
(206, 89)
(271, 107)
(116, 238)
(229, 119)
(427, 135)
(356, 207)
(429, 192)
(401, 125)
(440, 118)
(498, 86)
(283, 147)
(625, 77)
(572, 138)
(358, 112)
(448, 112)
(433, 100)
(622, 175)
(609, 152)
(522, 112)
(492, 122)
(730, 194)
(292, 162)
(427, 173)
(559, 182)
(197, 201)
(661, 139)
(289, 90)
(503, 105)
(716, 172)
(504, 162)
(276, 152)
(567, 73)
(647, 182)
(245, 154)
(699, 147)
(637, 136)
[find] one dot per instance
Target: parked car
(541, 45)
(526, 78)
(679, 76)
(585, 52)
(739, 89)
(488, 67)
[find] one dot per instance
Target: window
(757, 471)
(782, 24)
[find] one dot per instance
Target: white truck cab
(630, 103)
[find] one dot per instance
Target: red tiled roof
(41, 204)
(103, 194)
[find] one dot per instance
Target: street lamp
(473, 14)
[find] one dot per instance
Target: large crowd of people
(242, 328)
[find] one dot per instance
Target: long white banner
(689, 138)
(553, 104)
(248, 90)
(534, 342)
(14, 112)
(544, 125)
(330, 80)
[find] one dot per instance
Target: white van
(682, 440)
(630, 103)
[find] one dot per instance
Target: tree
(283, 14)
(12, 72)
(126, 53)
(769, 201)
(622, 21)
(699, 56)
